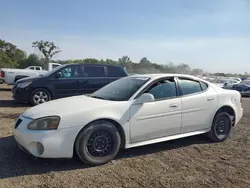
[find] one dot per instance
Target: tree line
(13, 57)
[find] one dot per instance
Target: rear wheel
(221, 127)
(39, 96)
(98, 143)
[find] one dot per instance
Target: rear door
(199, 102)
(93, 78)
(68, 84)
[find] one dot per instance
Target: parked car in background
(129, 112)
(225, 83)
(243, 87)
(66, 80)
(244, 78)
(236, 78)
(10, 76)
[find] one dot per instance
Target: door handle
(173, 105)
(210, 99)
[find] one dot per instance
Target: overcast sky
(210, 34)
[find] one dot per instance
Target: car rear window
(115, 71)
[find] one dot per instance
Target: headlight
(45, 123)
(23, 84)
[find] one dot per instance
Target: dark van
(66, 80)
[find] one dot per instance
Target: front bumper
(21, 94)
(45, 144)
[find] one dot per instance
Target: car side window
(204, 86)
(93, 71)
(189, 86)
(37, 68)
(163, 89)
(70, 72)
(115, 71)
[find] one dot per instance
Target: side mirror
(58, 75)
(145, 97)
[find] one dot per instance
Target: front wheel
(98, 143)
(39, 96)
(221, 127)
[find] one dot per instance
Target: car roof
(156, 76)
(93, 64)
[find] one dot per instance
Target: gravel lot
(189, 162)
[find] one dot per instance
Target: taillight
(2, 74)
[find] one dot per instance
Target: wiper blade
(96, 97)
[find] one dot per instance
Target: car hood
(28, 79)
(65, 106)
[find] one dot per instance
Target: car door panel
(90, 85)
(198, 109)
(68, 84)
(65, 87)
(155, 119)
(93, 78)
(160, 118)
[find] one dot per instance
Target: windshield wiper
(93, 96)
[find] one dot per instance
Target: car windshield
(121, 89)
(52, 71)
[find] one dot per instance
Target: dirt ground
(189, 162)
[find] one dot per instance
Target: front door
(159, 118)
(199, 102)
(68, 84)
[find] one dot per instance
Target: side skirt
(163, 139)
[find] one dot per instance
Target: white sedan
(132, 111)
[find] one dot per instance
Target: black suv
(66, 80)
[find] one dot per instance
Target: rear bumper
(239, 115)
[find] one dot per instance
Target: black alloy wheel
(98, 143)
(221, 127)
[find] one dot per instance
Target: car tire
(39, 96)
(98, 143)
(221, 127)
